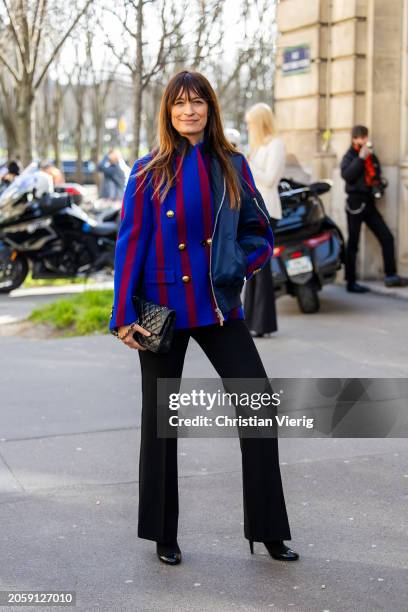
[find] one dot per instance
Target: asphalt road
(70, 418)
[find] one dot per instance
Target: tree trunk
(137, 123)
(56, 111)
(79, 173)
(8, 117)
(43, 122)
(138, 81)
(11, 139)
(24, 123)
(78, 136)
(97, 149)
(151, 120)
(56, 142)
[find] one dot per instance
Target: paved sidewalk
(19, 303)
(70, 432)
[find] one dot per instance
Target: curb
(377, 287)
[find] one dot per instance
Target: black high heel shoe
(277, 550)
(168, 553)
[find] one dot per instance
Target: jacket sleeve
(103, 164)
(255, 235)
(352, 168)
(271, 174)
(131, 248)
(378, 164)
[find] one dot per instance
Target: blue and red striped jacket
(165, 251)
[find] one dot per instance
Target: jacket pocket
(242, 257)
(234, 264)
(159, 275)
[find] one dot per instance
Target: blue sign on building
(296, 60)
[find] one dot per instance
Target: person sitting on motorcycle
(56, 174)
(13, 170)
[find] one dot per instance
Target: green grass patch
(81, 314)
(54, 282)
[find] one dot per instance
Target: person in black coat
(361, 170)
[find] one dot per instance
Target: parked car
(69, 167)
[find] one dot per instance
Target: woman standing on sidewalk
(193, 226)
(267, 162)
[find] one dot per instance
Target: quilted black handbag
(158, 320)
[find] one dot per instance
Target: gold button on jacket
(208, 241)
(170, 213)
(181, 246)
(185, 279)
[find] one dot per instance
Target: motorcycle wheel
(12, 272)
(308, 298)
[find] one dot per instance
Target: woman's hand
(127, 338)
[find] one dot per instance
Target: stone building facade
(342, 62)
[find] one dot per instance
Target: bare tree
(100, 86)
(7, 106)
(22, 52)
(208, 33)
(90, 82)
(186, 34)
(142, 68)
(78, 84)
(48, 113)
(55, 119)
(42, 118)
(248, 78)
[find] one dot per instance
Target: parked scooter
(309, 247)
(48, 232)
(111, 213)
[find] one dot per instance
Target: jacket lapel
(217, 183)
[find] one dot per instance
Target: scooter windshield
(22, 184)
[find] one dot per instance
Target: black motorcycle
(49, 233)
(309, 246)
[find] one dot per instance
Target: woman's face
(189, 117)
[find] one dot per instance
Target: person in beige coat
(267, 162)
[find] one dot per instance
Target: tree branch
(9, 68)
(36, 32)
(14, 30)
(59, 45)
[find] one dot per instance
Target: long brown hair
(170, 141)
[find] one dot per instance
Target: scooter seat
(51, 204)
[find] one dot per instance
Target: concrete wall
(358, 74)
(402, 220)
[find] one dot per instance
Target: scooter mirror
(320, 187)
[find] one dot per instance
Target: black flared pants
(233, 353)
(375, 221)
